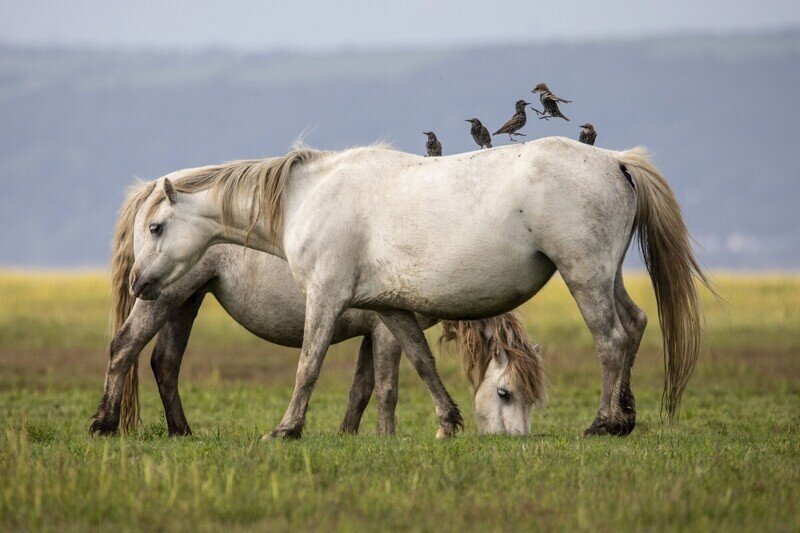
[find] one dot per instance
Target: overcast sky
(324, 25)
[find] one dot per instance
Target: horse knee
(163, 368)
(387, 395)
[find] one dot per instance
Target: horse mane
(479, 341)
(264, 179)
(121, 299)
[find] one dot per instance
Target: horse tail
(122, 300)
(479, 341)
(673, 268)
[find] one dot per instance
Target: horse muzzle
(143, 288)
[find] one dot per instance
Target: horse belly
(467, 290)
(258, 291)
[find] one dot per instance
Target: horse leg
(322, 311)
(144, 321)
(387, 352)
(406, 330)
(634, 320)
(361, 388)
(166, 362)
(595, 298)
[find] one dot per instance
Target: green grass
(732, 462)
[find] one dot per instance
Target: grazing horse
(257, 290)
(458, 237)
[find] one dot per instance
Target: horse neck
(238, 229)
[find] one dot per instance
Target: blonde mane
(507, 333)
(121, 299)
(264, 179)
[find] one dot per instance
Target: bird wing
(507, 126)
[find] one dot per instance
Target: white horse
(257, 290)
(464, 236)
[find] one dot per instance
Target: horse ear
(500, 356)
(169, 190)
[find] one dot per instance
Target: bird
(433, 145)
(516, 122)
(549, 102)
(588, 135)
(480, 133)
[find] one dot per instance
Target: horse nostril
(138, 287)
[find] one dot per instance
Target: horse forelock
(480, 340)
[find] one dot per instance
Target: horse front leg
(361, 388)
(140, 327)
(386, 354)
(406, 329)
(322, 312)
(166, 362)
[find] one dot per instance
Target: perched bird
(516, 122)
(588, 135)
(549, 102)
(433, 145)
(480, 133)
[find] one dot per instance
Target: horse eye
(504, 394)
(155, 229)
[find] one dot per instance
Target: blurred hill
(721, 114)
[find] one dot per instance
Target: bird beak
(468, 120)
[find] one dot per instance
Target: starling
(588, 135)
(549, 103)
(480, 133)
(516, 122)
(433, 145)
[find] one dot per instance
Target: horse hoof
(600, 426)
(346, 429)
(450, 423)
(283, 433)
(103, 428)
(445, 433)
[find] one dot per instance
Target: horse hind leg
(595, 298)
(634, 320)
(361, 388)
(166, 362)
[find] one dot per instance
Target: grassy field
(732, 462)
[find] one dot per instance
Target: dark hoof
(291, 432)
(450, 424)
(103, 427)
(347, 429)
(182, 432)
(600, 426)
